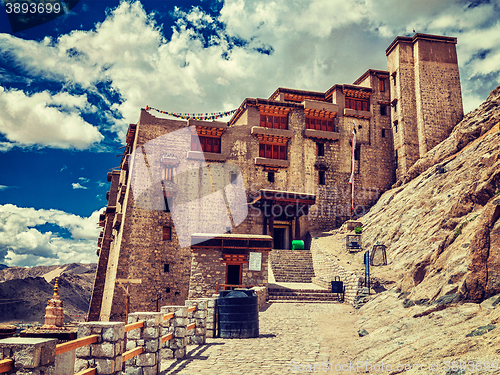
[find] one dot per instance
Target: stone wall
(208, 270)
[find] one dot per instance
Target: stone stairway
(282, 294)
(292, 266)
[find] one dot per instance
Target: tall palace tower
(426, 97)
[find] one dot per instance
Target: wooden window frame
(320, 149)
(167, 233)
(381, 85)
(274, 121)
(206, 144)
(357, 104)
(168, 173)
(273, 151)
(318, 123)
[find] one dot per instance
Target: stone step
(277, 290)
(299, 301)
(330, 297)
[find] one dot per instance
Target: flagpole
(351, 179)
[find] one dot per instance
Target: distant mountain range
(24, 292)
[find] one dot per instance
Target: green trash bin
(297, 245)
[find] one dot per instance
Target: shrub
(358, 230)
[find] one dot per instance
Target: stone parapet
(176, 347)
(149, 338)
(31, 356)
(106, 354)
(198, 335)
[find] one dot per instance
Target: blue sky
(70, 87)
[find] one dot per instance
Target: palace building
(200, 203)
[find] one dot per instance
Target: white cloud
(4, 187)
(22, 244)
(76, 185)
(46, 120)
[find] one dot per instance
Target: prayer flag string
(193, 116)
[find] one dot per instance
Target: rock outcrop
(440, 224)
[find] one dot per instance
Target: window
(320, 149)
(396, 156)
(167, 233)
(321, 177)
(395, 126)
(167, 203)
(271, 151)
(381, 85)
(166, 268)
(273, 121)
(394, 78)
(322, 124)
(383, 110)
(234, 176)
(167, 290)
(395, 106)
(207, 144)
(270, 176)
(357, 104)
(383, 133)
(357, 153)
(168, 174)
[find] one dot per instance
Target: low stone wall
(326, 268)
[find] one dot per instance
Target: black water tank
(238, 314)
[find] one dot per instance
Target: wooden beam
(192, 308)
(6, 365)
(75, 344)
(89, 371)
(190, 326)
(167, 337)
(168, 316)
(132, 326)
(132, 353)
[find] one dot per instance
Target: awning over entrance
(282, 196)
(283, 206)
(231, 241)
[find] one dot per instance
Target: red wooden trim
(131, 326)
(6, 365)
(75, 344)
(167, 337)
(89, 371)
(132, 353)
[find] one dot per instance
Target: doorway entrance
(233, 274)
(279, 238)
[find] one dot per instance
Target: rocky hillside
(24, 292)
(441, 226)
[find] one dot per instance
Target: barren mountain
(25, 293)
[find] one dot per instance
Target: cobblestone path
(290, 338)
